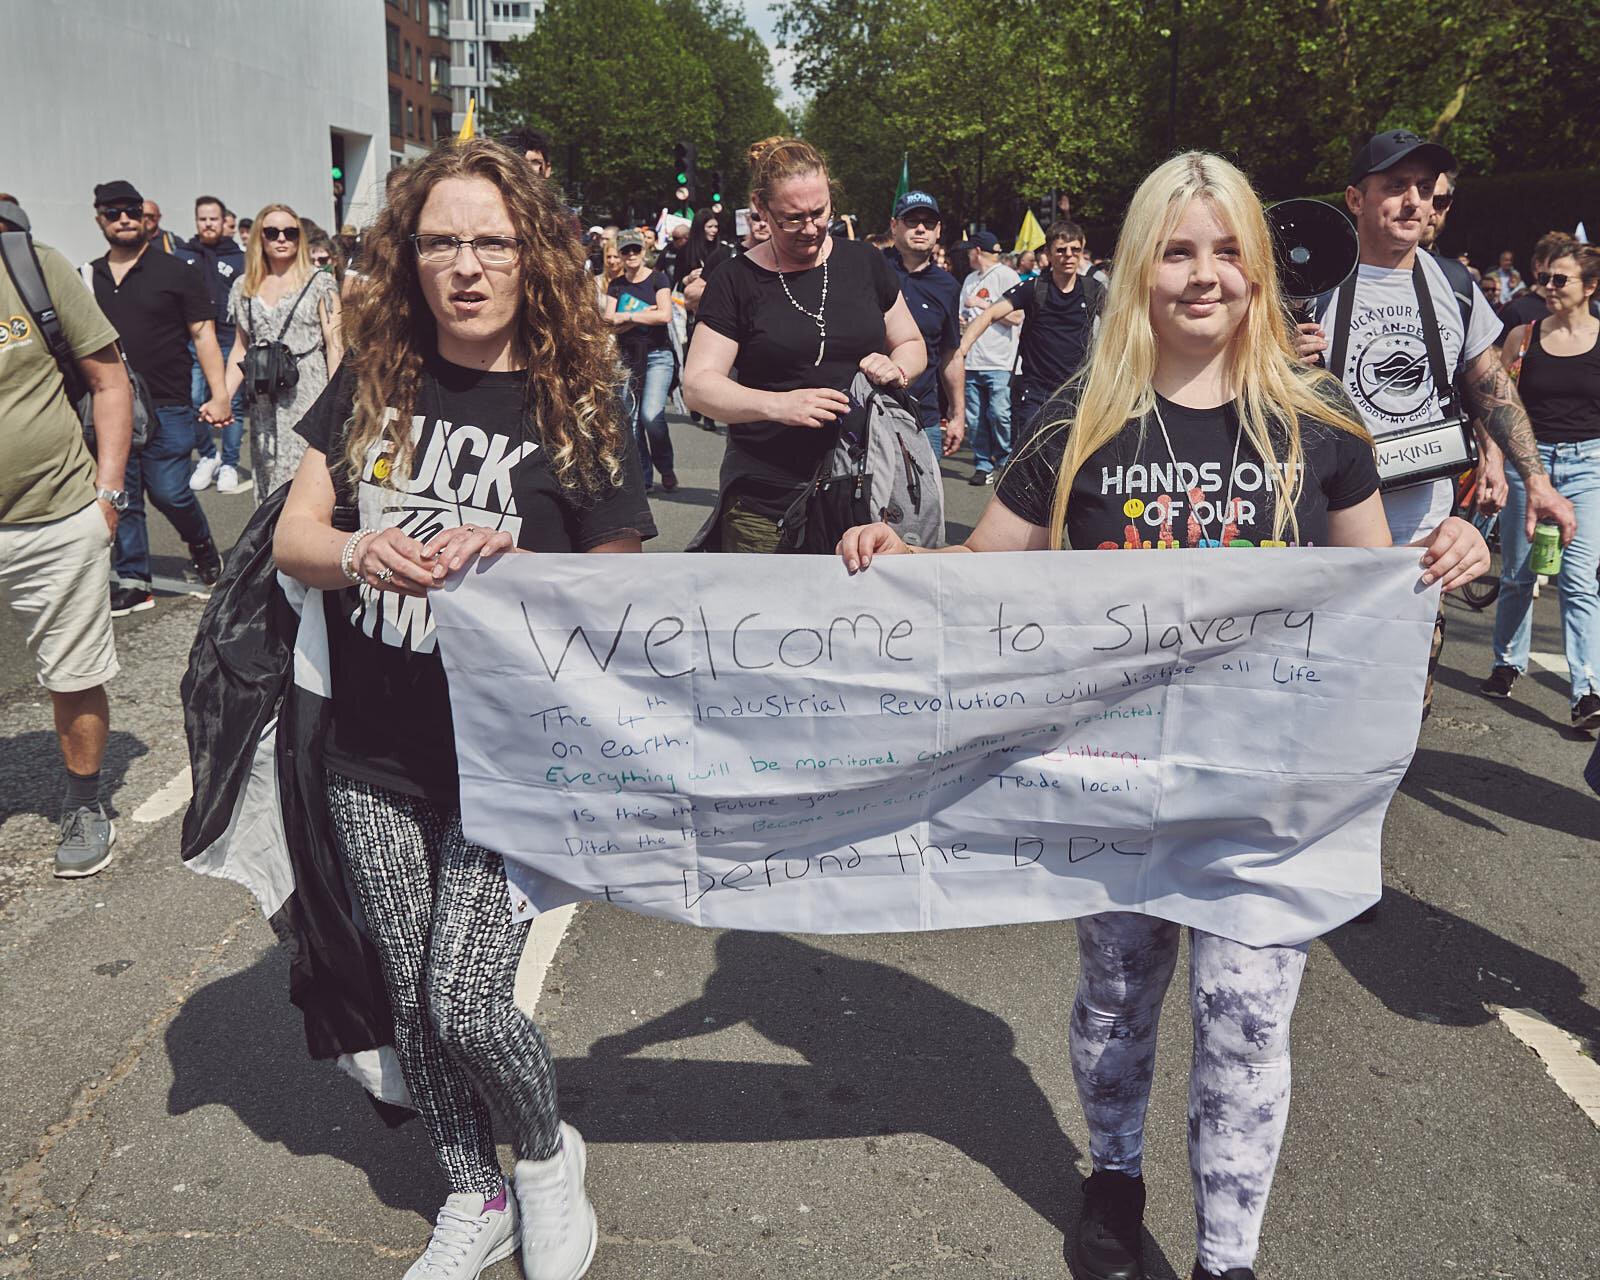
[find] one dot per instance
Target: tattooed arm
(1493, 403)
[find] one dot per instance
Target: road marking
(544, 937)
(1577, 1074)
(1550, 661)
(168, 800)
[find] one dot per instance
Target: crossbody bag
(270, 368)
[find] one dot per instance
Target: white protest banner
(763, 742)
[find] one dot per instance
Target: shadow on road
(1439, 778)
(238, 1043)
(1428, 964)
(31, 778)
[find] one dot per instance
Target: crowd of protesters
(476, 299)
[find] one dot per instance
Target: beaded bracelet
(347, 556)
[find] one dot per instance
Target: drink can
(1545, 557)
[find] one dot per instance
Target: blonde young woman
(478, 413)
(282, 293)
(1193, 364)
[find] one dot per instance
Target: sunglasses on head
(1558, 281)
(1441, 204)
(291, 234)
(112, 212)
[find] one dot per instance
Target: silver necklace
(1233, 467)
(816, 317)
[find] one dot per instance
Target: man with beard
(220, 261)
(158, 306)
(935, 301)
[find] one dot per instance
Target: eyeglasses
(1442, 203)
(1553, 281)
(291, 234)
(495, 250)
(114, 212)
(631, 248)
(321, 260)
(915, 219)
(800, 221)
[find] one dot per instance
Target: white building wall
(184, 98)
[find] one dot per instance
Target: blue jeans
(646, 406)
(989, 417)
(1575, 471)
(232, 434)
(162, 469)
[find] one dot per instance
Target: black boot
(1232, 1273)
(207, 562)
(1110, 1240)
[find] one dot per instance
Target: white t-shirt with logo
(997, 348)
(1387, 374)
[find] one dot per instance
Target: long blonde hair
(572, 382)
(1273, 388)
(255, 253)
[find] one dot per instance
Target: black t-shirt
(1131, 495)
(767, 461)
(151, 310)
(1055, 338)
(1525, 308)
(638, 342)
(476, 461)
(1561, 393)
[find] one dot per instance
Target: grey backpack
(881, 467)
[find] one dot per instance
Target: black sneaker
(1499, 683)
(1586, 712)
(980, 478)
(1109, 1244)
(1232, 1273)
(126, 600)
(207, 562)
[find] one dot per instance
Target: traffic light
(683, 157)
(1047, 210)
(716, 190)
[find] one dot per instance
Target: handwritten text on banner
(768, 743)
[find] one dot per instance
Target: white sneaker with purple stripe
(559, 1231)
(470, 1235)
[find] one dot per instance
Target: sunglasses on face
(921, 220)
(1441, 204)
(114, 212)
(291, 234)
(1552, 281)
(632, 248)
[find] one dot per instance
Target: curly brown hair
(573, 378)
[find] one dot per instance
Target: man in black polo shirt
(935, 301)
(158, 306)
(1059, 310)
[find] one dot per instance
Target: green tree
(616, 82)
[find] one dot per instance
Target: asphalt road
(779, 1106)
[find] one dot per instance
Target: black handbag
(270, 368)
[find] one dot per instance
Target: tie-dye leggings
(1241, 999)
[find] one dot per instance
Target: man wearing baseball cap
(1375, 329)
(935, 301)
(991, 358)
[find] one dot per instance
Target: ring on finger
(384, 574)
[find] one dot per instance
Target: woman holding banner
(1192, 367)
(477, 413)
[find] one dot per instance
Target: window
(396, 114)
(441, 124)
(472, 54)
(438, 19)
(411, 121)
(392, 32)
(408, 59)
(441, 75)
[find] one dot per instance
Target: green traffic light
(337, 174)
(683, 179)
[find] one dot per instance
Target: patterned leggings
(1241, 999)
(437, 911)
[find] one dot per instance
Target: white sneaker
(559, 1231)
(469, 1236)
(204, 473)
(227, 479)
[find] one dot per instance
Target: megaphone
(1315, 245)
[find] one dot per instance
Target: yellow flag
(1031, 236)
(468, 132)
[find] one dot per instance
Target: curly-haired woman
(477, 413)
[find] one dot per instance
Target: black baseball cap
(117, 191)
(985, 240)
(1385, 150)
(914, 200)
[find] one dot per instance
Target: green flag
(905, 178)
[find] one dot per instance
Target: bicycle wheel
(1482, 592)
